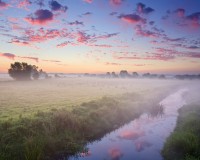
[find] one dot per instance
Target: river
(142, 138)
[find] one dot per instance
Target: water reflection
(141, 145)
(115, 153)
(131, 135)
(141, 139)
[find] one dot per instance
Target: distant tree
(162, 76)
(135, 74)
(86, 74)
(43, 74)
(35, 72)
(123, 73)
(23, 71)
(146, 75)
(108, 75)
(113, 74)
(57, 75)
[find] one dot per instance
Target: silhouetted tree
(57, 75)
(135, 74)
(162, 76)
(108, 75)
(114, 75)
(35, 73)
(123, 73)
(43, 74)
(23, 71)
(146, 75)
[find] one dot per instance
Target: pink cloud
(132, 18)
(3, 5)
(8, 55)
(20, 43)
(146, 33)
(41, 17)
(63, 44)
(13, 56)
(41, 34)
(193, 54)
(179, 19)
(36, 59)
(194, 19)
(24, 4)
(180, 12)
(82, 37)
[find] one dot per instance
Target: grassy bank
(49, 135)
(61, 132)
(184, 142)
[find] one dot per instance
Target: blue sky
(97, 36)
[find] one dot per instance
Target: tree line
(24, 71)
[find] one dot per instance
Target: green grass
(49, 135)
(184, 142)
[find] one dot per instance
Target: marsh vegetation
(184, 142)
(56, 118)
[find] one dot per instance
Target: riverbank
(53, 118)
(60, 133)
(184, 142)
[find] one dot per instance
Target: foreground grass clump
(184, 142)
(60, 133)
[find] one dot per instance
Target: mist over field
(22, 97)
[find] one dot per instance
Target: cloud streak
(12, 56)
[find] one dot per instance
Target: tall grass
(184, 142)
(60, 132)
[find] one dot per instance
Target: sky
(98, 36)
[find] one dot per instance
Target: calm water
(141, 139)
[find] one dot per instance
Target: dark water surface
(141, 139)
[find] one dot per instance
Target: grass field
(27, 97)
